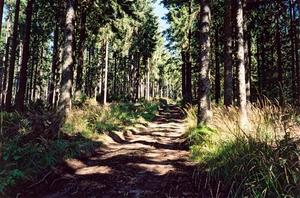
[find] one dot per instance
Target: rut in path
(148, 162)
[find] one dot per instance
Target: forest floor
(150, 161)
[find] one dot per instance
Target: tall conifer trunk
(20, 99)
(241, 66)
(65, 103)
(228, 78)
(204, 63)
(13, 57)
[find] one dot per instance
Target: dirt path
(147, 162)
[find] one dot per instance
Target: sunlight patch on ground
(154, 168)
(94, 170)
(75, 164)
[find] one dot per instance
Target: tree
(54, 67)
(181, 17)
(20, 99)
(13, 57)
(204, 63)
(1, 14)
(65, 102)
(241, 66)
(228, 83)
(106, 71)
(81, 47)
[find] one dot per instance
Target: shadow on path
(149, 162)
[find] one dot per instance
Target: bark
(204, 83)
(148, 81)
(13, 57)
(1, 14)
(81, 45)
(20, 99)
(188, 78)
(1, 55)
(115, 76)
(259, 65)
(65, 103)
(189, 96)
(279, 59)
(241, 67)
(247, 46)
(249, 69)
(54, 67)
(217, 70)
(40, 74)
(183, 75)
(296, 40)
(6, 63)
(106, 72)
(99, 84)
(293, 51)
(137, 80)
(36, 75)
(228, 78)
(29, 94)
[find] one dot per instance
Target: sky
(161, 11)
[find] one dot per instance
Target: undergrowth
(92, 119)
(30, 143)
(262, 161)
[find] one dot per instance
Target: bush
(28, 147)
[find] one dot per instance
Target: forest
(149, 98)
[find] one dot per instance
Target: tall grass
(262, 161)
(92, 119)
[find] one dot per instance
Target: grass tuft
(260, 162)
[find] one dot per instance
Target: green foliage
(93, 119)
(78, 102)
(25, 153)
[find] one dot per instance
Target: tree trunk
(137, 82)
(1, 15)
(259, 66)
(279, 59)
(35, 76)
(217, 70)
(20, 99)
(296, 40)
(189, 96)
(228, 78)
(6, 63)
(183, 75)
(81, 45)
(106, 72)
(241, 67)
(249, 69)
(13, 57)
(54, 67)
(293, 51)
(148, 81)
(115, 76)
(65, 102)
(204, 84)
(247, 47)
(188, 78)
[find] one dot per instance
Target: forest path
(145, 162)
